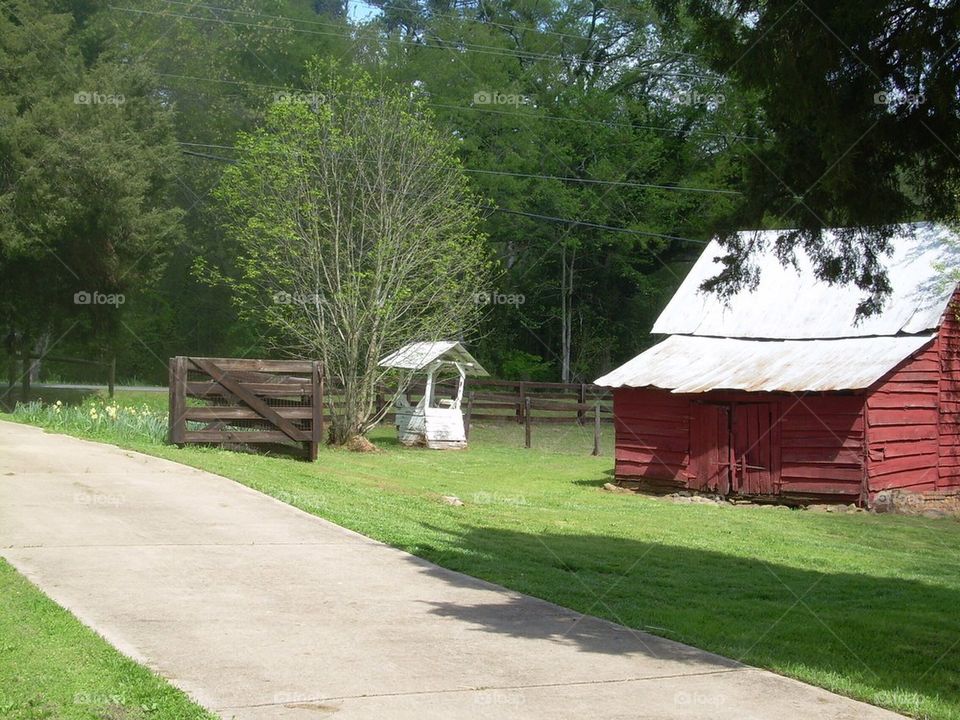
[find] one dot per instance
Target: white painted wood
(433, 423)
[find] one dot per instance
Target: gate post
(178, 400)
(316, 401)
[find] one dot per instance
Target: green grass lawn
(53, 667)
(865, 605)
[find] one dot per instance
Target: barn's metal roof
(418, 355)
(688, 364)
(790, 303)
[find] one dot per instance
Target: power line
(591, 181)
(605, 123)
(411, 9)
(600, 226)
(464, 47)
(692, 132)
(551, 218)
(534, 176)
(506, 26)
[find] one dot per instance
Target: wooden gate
(231, 400)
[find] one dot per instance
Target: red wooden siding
(652, 436)
(903, 419)
(949, 392)
(803, 446)
(822, 446)
(711, 462)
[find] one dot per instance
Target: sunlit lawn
(53, 667)
(861, 604)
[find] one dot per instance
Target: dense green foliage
(357, 233)
(52, 666)
(608, 140)
(87, 166)
(862, 104)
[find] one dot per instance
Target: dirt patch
(941, 504)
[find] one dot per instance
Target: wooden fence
(23, 363)
(224, 400)
(523, 402)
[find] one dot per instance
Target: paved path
(261, 611)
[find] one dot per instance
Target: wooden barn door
(755, 443)
(710, 447)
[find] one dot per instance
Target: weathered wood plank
(268, 413)
(269, 366)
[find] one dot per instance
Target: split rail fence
(22, 366)
(232, 400)
(520, 401)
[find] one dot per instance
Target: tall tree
(86, 169)
(574, 111)
(862, 101)
(358, 232)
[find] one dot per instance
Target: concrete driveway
(259, 610)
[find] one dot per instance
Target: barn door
(710, 448)
(754, 439)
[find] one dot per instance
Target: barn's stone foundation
(931, 504)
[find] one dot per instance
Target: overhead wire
(508, 211)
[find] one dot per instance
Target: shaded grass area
(860, 604)
(52, 666)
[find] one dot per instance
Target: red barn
(782, 393)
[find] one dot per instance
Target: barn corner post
(177, 426)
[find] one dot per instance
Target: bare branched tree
(358, 233)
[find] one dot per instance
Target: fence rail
(233, 400)
(23, 363)
(504, 401)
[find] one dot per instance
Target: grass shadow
(879, 638)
